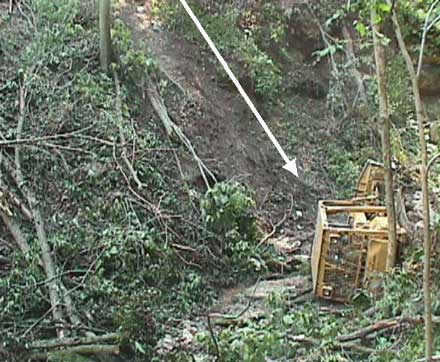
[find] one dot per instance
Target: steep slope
(223, 129)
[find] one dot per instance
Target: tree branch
(69, 342)
(133, 172)
(48, 265)
(172, 129)
(91, 349)
(426, 29)
(379, 326)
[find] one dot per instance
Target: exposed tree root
(173, 130)
(120, 123)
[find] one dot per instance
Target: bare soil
(228, 137)
(231, 142)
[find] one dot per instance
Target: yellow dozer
(350, 246)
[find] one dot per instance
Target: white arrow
(290, 164)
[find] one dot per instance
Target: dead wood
(401, 211)
(279, 224)
(4, 260)
(69, 342)
(24, 247)
(173, 130)
(422, 119)
(120, 123)
(91, 349)
(48, 264)
(160, 109)
(17, 202)
(385, 121)
(380, 326)
(335, 346)
(36, 140)
(16, 233)
(70, 307)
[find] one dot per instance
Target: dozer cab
(350, 246)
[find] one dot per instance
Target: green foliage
(280, 333)
(56, 13)
(117, 252)
(264, 72)
(113, 251)
(227, 209)
(272, 25)
(330, 50)
(402, 293)
(413, 14)
(268, 338)
(171, 13)
(134, 62)
(400, 97)
(245, 47)
(19, 295)
(344, 171)
(137, 323)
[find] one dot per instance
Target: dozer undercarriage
(350, 246)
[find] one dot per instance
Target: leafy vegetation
(138, 249)
(223, 26)
(115, 247)
(228, 211)
(301, 330)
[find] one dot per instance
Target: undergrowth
(138, 258)
(303, 330)
(133, 257)
(244, 38)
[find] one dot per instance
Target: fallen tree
(347, 341)
(90, 349)
(172, 130)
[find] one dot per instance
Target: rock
(285, 244)
(434, 132)
(430, 80)
(266, 288)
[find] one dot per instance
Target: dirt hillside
(226, 134)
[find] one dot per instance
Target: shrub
(227, 211)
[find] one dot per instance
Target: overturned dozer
(351, 240)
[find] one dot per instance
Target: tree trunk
(105, 43)
(379, 54)
(421, 120)
(48, 265)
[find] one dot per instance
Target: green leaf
(288, 320)
(139, 347)
(384, 7)
(324, 52)
(361, 29)
(113, 250)
(377, 19)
